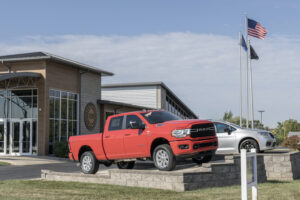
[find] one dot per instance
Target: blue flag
(243, 43)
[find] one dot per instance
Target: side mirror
(228, 130)
(135, 125)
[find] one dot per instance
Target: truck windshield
(159, 117)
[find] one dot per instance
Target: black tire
(88, 163)
(249, 144)
(202, 159)
(164, 158)
(126, 165)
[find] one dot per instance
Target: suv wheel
(249, 144)
(126, 165)
(88, 163)
(202, 159)
(164, 158)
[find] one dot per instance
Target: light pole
(261, 112)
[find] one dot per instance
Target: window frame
(71, 97)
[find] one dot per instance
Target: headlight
(179, 133)
(264, 134)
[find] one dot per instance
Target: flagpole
(241, 82)
(247, 86)
(251, 91)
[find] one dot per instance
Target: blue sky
(132, 17)
(190, 45)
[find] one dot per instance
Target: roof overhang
(7, 76)
(47, 56)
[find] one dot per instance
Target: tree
(228, 116)
(283, 128)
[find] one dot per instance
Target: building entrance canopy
(19, 79)
(7, 76)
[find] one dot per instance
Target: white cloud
(203, 70)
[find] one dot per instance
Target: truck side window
(132, 118)
(221, 127)
(116, 123)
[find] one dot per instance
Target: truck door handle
(107, 136)
(127, 134)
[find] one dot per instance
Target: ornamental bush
(292, 142)
(60, 149)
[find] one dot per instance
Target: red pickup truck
(156, 135)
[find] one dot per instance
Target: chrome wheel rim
(86, 163)
(162, 158)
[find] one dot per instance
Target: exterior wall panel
(145, 96)
(90, 93)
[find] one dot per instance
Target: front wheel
(164, 158)
(126, 165)
(249, 144)
(88, 163)
(202, 159)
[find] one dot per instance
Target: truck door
(226, 140)
(135, 140)
(113, 138)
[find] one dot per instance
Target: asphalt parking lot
(29, 167)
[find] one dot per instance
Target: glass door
(2, 137)
(26, 138)
(15, 127)
(20, 137)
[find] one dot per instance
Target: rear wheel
(249, 144)
(88, 163)
(164, 158)
(202, 159)
(126, 165)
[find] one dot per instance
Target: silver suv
(232, 138)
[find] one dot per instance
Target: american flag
(256, 30)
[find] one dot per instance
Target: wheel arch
(156, 142)
(83, 149)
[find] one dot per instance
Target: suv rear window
(116, 123)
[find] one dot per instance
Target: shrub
(292, 142)
(60, 149)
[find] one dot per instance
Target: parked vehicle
(232, 138)
(156, 135)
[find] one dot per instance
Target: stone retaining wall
(282, 167)
(269, 167)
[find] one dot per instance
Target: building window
(62, 116)
(174, 108)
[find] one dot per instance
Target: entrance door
(20, 137)
(2, 137)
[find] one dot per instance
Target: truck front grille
(203, 130)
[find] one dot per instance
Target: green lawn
(4, 163)
(68, 190)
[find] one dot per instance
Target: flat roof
(47, 56)
(156, 83)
